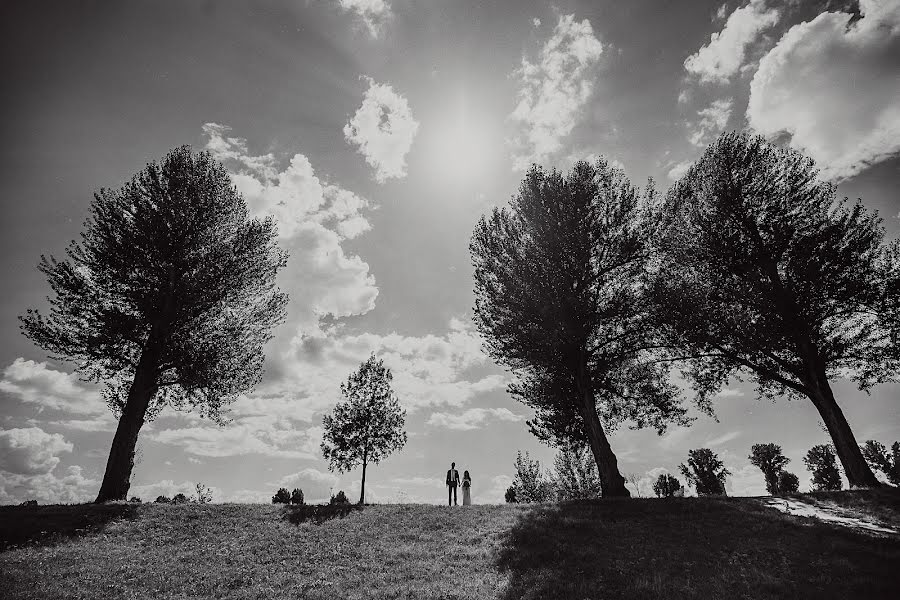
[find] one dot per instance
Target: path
(827, 512)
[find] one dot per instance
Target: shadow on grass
(690, 548)
(318, 513)
(20, 525)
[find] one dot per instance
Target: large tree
(761, 271)
(557, 301)
(368, 426)
(705, 471)
(168, 298)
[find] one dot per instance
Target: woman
(467, 485)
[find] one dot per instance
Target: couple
(453, 482)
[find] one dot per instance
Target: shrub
(340, 498)
(29, 503)
(282, 496)
(163, 500)
(532, 484)
(511, 494)
(134, 500)
(788, 483)
(297, 496)
(666, 486)
(180, 498)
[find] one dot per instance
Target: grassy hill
(678, 548)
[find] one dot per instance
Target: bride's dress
(467, 494)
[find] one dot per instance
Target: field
(640, 548)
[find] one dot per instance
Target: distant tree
(180, 498)
(557, 301)
(575, 473)
(771, 461)
(204, 494)
(282, 496)
(29, 503)
(339, 498)
(163, 500)
(511, 495)
(666, 485)
(705, 472)
(788, 483)
(297, 496)
(762, 271)
(880, 459)
(530, 482)
(820, 461)
(134, 500)
(368, 426)
(168, 298)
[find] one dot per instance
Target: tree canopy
(705, 471)
(820, 461)
(771, 461)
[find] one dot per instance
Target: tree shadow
(689, 548)
(46, 525)
(318, 513)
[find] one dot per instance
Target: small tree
(180, 498)
(368, 426)
(297, 496)
(666, 485)
(576, 474)
(282, 496)
(204, 494)
(511, 495)
(163, 500)
(339, 498)
(168, 298)
(771, 461)
(880, 459)
(821, 462)
(531, 483)
(705, 472)
(788, 483)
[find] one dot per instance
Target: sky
(377, 132)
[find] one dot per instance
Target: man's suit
(452, 483)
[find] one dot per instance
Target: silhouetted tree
(282, 496)
(297, 496)
(339, 498)
(705, 472)
(771, 461)
(880, 459)
(163, 500)
(557, 301)
(575, 473)
(511, 495)
(169, 298)
(761, 271)
(788, 483)
(180, 498)
(820, 461)
(666, 485)
(368, 426)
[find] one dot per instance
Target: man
(452, 482)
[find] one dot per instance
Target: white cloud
(36, 383)
(496, 493)
(150, 491)
(383, 130)
(317, 485)
(713, 120)
(678, 170)
(473, 418)
(554, 90)
(373, 13)
(833, 86)
(721, 439)
(724, 55)
(47, 488)
(268, 435)
(31, 451)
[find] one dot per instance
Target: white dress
(467, 494)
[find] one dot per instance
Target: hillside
(679, 548)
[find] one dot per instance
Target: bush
(282, 496)
(180, 499)
(163, 500)
(340, 498)
(134, 500)
(297, 496)
(511, 494)
(29, 503)
(666, 486)
(788, 483)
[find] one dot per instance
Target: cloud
(373, 13)
(167, 487)
(496, 493)
(724, 55)
(713, 120)
(554, 90)
(473, 418)
(722, 439)
(36, 383)
(317, 485)
(678, 170)
(383, 130)
(644, 487)
(31, 451)
(832, 84)
(268, 435)
(71, 487)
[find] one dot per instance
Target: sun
(460, 149)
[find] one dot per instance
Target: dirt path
(829, 512)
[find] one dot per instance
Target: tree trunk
(611, 481)
(117, 478)
(857, 470)
(362, 488)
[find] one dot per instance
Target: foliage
(666, 485)
(339, 498)
(575, 474)
(297, 496)
(180, 498)
(510, 495)
(788, 483)
(820, 461)
(168, 298)
(705, 472)
(204, 494)
(368, 426)
(887, 462)
(762, 271)
(134, 500)
(163, 500)
(282, 496)
(771, 461)
(530, 482)
(557, 301)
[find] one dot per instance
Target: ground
(620, 548)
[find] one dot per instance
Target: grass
(677, 548)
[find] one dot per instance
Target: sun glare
(460, 150)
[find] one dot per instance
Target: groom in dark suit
(452, 482)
